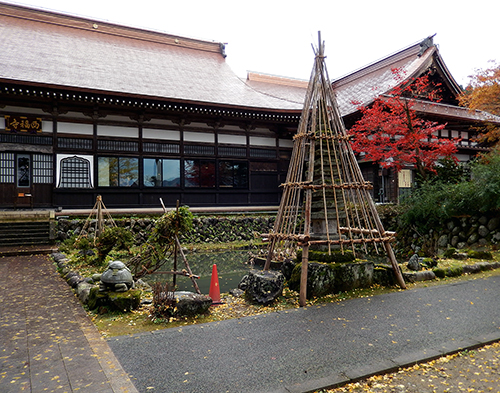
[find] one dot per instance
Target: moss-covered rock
(439, 272)
(320, 279)
(454, 271)
(263, 287)
(384, 275)
(324, 279)
(349, 276)
(118, 301)
(476, 254)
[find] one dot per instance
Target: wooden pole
(176, 249)
(100, 224)
(195, 284)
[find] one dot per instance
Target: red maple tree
(391, 133)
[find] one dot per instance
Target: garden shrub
(116, 238)
(164, 301)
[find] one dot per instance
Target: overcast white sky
(275, 36)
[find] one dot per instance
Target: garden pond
(232, 265)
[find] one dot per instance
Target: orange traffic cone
(214, 292)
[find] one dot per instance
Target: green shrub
(116, 238)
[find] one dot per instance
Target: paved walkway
(316, 347)
(48, 344)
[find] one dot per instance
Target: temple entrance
(26, 180)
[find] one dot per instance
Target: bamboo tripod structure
(326, 202)
(98, 211)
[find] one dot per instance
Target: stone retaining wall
(205, 229)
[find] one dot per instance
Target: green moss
(125, 301)
(439, 272)
(480, 254)
(454, 271)
(119, 301)
(334, 257)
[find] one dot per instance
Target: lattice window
(75, 173)
(7, 167)
(42, 168)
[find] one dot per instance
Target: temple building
(92, 108)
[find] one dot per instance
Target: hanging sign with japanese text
(23, 124)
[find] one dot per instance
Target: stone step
(26, 233)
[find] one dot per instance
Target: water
(231, 267)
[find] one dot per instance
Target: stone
(83, 291)
(124, 301)
(473, 238)
(320, 279)
(243, 285)
(461, 245)
(450, 225)
(414, 263)
(190, 304)
(74, 280)
(117, 277)
(442, 241)
(236, 292)
(287, 268)
(349, 276)
(454, 241)
(483, 220)
(425, 275)
(493, 223)
(472, 269)
(57, 256)
(483, 231)
(141, 284)
(384, 275)
(264, 286)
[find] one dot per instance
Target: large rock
(264, 287)
(414, 263)
(350, 276)
(117, 301)
(190, 304)
(323, 278)
(320, 279)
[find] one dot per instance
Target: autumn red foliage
(391, 132)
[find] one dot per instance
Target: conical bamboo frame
(323, 167)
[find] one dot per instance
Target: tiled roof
(363, 86)
(49, 49)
